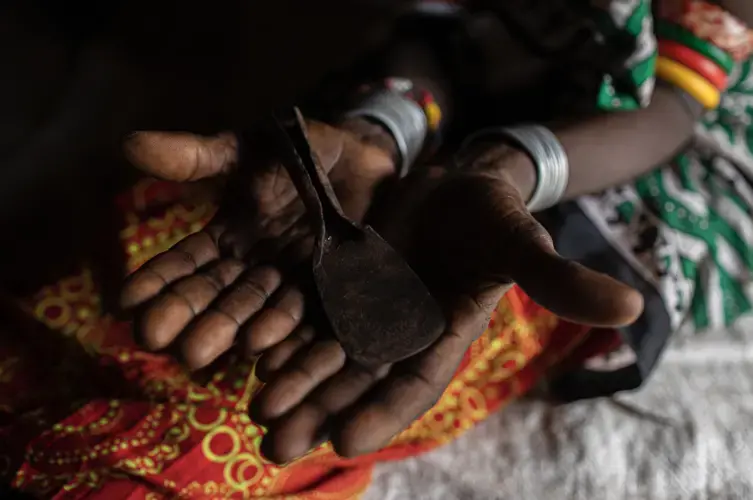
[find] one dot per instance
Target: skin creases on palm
(312, 389)
(225, 284)
(469, 237)
(467, 234)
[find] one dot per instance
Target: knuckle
(303, 335)
(214, 279)
(251, 290)
(187, 287)
(154, 268)
(184, 258)
(305, 375)
(180, 300)
(286, 314)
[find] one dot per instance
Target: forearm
(412, 58)
(614, 148)
(611, 149)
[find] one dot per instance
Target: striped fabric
(685, 227)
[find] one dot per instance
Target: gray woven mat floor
(691, 438)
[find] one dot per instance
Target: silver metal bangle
(404, 119)
(547, 153)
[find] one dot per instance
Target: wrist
(373, 133)
(521, 172)
(529, 156)
(505, 161)
(406, 122)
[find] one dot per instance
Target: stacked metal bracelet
(547, 153)
(404, 119)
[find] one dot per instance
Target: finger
(276, 322)
(214, 332)
(294, 435)
(163, 321)
(180, 156)
(273, 360)
(411, 388)
(181, 260)
(306, 426)
(319, 362)
(346, 387)
(328, 143)
(576, 293)
(566, 288)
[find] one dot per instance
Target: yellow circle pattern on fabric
(688, 80)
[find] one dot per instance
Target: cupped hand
(217, 287)
(469, 236)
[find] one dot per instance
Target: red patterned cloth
(712, 23)
(84, 413)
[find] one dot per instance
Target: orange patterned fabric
(99, 418)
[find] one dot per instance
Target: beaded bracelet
(666, 30)
(688, 80)
(422, 97)
(695, 61)
(710, 22)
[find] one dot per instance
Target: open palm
(214, 288)
(469, 236)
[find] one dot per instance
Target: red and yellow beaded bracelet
(420, 96)
(673, 32)
(688, 80)
(695, 61)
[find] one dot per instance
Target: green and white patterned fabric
(632, 89)
(686, 227)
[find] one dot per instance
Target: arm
(614, 148)
(609, 149)
(413, 57)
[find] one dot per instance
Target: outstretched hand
(214, 288)
(469, 236)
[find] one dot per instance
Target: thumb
(181, 156)
(575, 292)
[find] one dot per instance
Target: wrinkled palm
(467, 234)
(213, 289)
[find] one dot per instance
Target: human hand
(469, 236)
(85, 74)
(215, 288)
